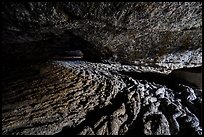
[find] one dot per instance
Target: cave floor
(79, 97)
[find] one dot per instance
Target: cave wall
(62, 97)
(124, 32)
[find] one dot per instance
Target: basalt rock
(70, 98)
(158, 34)
(121, 80)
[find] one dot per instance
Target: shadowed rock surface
(101, 68)
(170, 33)
(190, 75)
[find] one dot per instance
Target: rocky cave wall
(156, 33)
(121, 85)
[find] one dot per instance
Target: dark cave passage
(107, 68)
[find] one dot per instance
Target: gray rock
(170, 33)
(42, 95)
